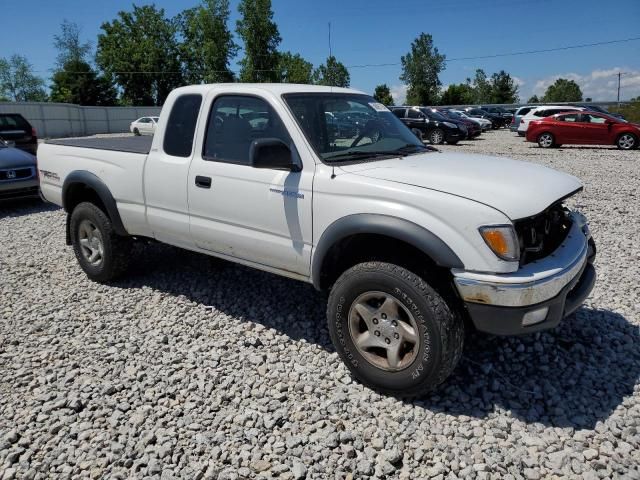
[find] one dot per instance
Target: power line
(374, 65)
(510, 54)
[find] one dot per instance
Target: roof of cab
(275, 88)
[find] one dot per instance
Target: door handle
(203, 182)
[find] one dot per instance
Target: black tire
(627, 141)
(436, 137)
(417, 133)
(136, 132)
(546, 140)
(115, 248)
(440, 332)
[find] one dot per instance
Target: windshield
(346, 127)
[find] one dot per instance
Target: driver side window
(235, 121)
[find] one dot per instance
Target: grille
(16, 174)
(541, 234)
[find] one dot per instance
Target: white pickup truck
(325, 185)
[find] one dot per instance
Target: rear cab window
(181, 126)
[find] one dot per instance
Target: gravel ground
(191, 368)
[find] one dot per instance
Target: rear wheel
(393, 331)
(546, 140)
(627, 141)
(436, 137)
(417, 133)
(102, 254)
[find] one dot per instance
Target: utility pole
(619, 75)
(329, 38)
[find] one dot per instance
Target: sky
(380, 32)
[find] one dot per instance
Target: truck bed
(140, 144)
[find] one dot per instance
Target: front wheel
(102, 253)
(136, 132)
(627, 141)
(546, 140)
(393, 331)
(436, 137)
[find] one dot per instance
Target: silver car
(18, 173)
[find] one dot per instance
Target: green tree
(139, 49)
(458, 94)
(261, 38)
(69, 45)
(293, 68)
(76, 82)
(420, 70)
(383, 94)
(503, 88)
(483, 90)
(207, 43)
(18, 82)
(533, 99)
(563, 90)
(333, 73)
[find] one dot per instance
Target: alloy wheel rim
(436, 137)
(91, 244)
(626, 141)
(383, 331)
(545, 140)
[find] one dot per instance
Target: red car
(583, 128)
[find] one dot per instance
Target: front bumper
(28, 188)
(539, 295)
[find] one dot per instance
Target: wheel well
(78, 193)
(366, 247)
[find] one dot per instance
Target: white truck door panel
(258, 215)
(167, 170)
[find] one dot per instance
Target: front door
(258, 215)
(594, 129)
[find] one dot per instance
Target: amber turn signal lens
(502, 241)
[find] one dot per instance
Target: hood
(518, 189)
(14, 157)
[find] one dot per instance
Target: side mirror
(272, 153)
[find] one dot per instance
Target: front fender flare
(393, 227)
(89, 180)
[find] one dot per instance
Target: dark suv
(429, 125)
(496, 121)
(15, 130)
(501, 112)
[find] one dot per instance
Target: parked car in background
(482, 122)
(16, 130)
(519, 113)
(542, 112)
(599, 109)
(501, 112)
(18, 173)
(428, 125)
(583, 128)
(473, 128)
(496, 121)
(144, 126)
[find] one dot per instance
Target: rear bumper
(539, 295)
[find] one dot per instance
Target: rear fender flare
(91, 181)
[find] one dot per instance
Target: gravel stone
(191, 368)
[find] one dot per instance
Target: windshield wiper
(358, 154)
